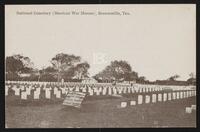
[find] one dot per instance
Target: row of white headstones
(146, 99)
(59, 91)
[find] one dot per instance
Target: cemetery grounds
(102, 111)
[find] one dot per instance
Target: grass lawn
(99, 112)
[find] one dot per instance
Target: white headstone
(91, 92)
(184, 94)
(143, 90)
(67, 91)
(129, 90)
(133, 103)
(124, 90)
(114, 91)
(63, 90)
(193, 107)
(136, 89)
(177, 95)
(62, 81)
(22, 87)
(84, 90)
(188, 110)
(165, 97)
(123, 104)
(140, 99)
(154, 89)
(104, 91)
(17, 91)
(97, 92)
(47, 93)
(190, 93)
(147, 99)
(154, 98)
(55, 90)
(147, 90)
(140, 90)
(38, 89)
(71, 88)
(132, 90)
(151, 89)
(77, 89)
(58, 94)
(119, 91)
(109, 91)
(28, 91)
(169, 96)
(36, 95)
(6, 91)
(100, 89)
(24, 95)
(89, 88)
(32, 87)
(181, 95)
(173, 95)
(159, 97)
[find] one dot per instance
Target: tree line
(73, 68)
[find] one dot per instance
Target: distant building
(130, 82)
(25, 75)
(191, 81)
(89, 80)
(127, 82)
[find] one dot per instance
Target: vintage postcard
(100, 66)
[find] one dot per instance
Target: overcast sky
(157, 40)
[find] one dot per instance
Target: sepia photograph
(100, 66)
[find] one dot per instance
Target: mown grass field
(98, 112)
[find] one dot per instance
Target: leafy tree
(62, 62)
(173, 78)
(141, 79)
(81, 70)
(13, 65)
(47, 74)
(192, 79)
(131, 76)
(117, 71)
(69, 66)
(192, 75)
(48, 69)
(17, 64)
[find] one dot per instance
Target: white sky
(157, 40)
